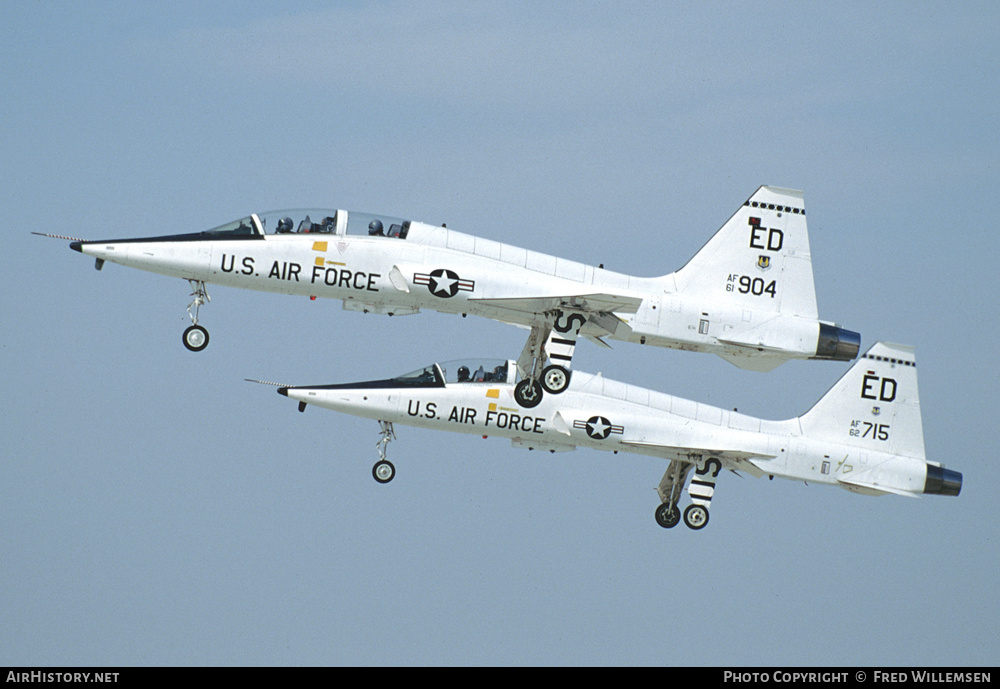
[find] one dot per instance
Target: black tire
(667, 518)
(528, 393)
(195, 338)
(555, 378)
(696, 517)
(384, 471)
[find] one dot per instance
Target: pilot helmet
(285, 225)
(375, 227)
(463, 372)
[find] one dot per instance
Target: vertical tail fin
(874, 405)
(759, 259)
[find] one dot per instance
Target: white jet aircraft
(864, 435)
(748, 295)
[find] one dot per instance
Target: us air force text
(468, 415)
(291, 271)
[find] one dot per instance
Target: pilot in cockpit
(375, 228)
(463, 374)
(284, 226)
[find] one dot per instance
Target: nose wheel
(196, 338)
(383, 471)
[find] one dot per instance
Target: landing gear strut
(668, 514)
(196, 337)
(555, 341)
(701, 489)
(384, 471)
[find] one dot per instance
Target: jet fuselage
(849, 447)
(750, 299)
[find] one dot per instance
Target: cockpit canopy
(460, 371)
(336, 222)
(245, 227)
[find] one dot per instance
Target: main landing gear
(384, 471)
(196, 337)
(555, 343)
(701, 489)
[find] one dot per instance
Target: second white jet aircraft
(864, 435)
(748, 295)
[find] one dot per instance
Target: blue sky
(158, 510)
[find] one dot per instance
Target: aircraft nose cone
(76, 246)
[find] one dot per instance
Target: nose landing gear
(196, 337)
(384, 471)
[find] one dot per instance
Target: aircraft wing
(735, 459)
(583, 303)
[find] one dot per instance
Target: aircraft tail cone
(942, 481)
(837, 344)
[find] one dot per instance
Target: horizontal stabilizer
(871, 488)
(760, 364)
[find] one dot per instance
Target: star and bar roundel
(598, 427)
(443, 283)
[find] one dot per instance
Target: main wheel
(555, 378)
(196, 338)
(696, 517)
(666, 517)
(528, 393)
(383, 471)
